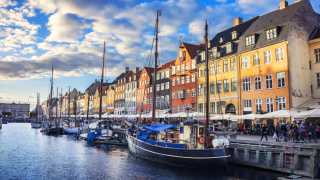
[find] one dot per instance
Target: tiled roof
(315, 33)
(192, 48)
(167, 65)
(297, 15)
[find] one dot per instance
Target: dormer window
(250, 40)
(271, 33)
(234, 35)
(215, 52)
(221, 40)
(229, 48)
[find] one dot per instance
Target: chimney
(127, 69)
(283, 4)
(237, 21)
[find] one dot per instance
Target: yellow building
(223, 71)
(315, 62)
(108, 98)
(272, 54)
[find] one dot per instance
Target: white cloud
(66, 27)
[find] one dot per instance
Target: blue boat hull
(178, 157)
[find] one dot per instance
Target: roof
(299, 15)
(159, 127)
(167, 65)
(226, 35)
(192, 48)
(92, 88)
(315, 33)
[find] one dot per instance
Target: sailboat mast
(57, 105)
(207, 86)
(69, 104)
(50, 95)
(101, 83)
(155, 67)
(60, 103)
(37, 107)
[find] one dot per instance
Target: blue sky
(34, 34)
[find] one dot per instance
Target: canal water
(26, 153)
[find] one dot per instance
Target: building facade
(163, 86)
(14, 110)
(183, 79)
(144, 91)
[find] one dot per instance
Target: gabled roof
(226, 35)
(297, 15)
(192, 48)
(167, 64)
(315, 33)
(92, 88)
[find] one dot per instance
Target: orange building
(144, 91)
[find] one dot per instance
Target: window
(229, 48)
(258, 83)
(173, 82)
(271, 33)
(158, 87)
(247, 103)
(269, 103)
(187, 79)
(211, 88)
(233, 85)
(258, 105)
(281, 103)
(193, 93)
(212, 107)
(279, 54)
(193, 65)
(245, 62)
(167, 85)
(250, 40)
(167, 73)
(317, 55)
(281, 79)
(178, 80)
(225, 66)
(267, 57)
(269, 81)
(233, 64)
(246, 84)
(256, 60)
(158, 76)
(182, 80)
(318, 80)
(234, 35)
(200, 89)
(193, 78)
(225, 85)
(219, 87)
(200, 107)
(173, 70)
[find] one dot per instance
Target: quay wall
(291, 158)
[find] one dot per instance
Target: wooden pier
(292, 158)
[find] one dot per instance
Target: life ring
(201, 140)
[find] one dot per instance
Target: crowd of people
(288, 132)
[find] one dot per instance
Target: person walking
(277, 132)
(264, 132)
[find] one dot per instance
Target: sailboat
(36, 124)
(52, 127)
(106, 132)
(177, 144)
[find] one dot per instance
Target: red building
(184, 79)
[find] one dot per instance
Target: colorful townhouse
(108, 98)
(223, 71)
(163, 86)
(144, 91)
(130, 91)
(183, 79)
(274, 56)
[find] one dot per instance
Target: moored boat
(36, 125)
(152, 143)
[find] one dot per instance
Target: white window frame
(281, 82)
(267, 57)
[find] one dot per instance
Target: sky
(69, 34)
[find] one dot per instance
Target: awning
(159, 127)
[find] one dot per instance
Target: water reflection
(25, 153)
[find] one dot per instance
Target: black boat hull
(178, 157)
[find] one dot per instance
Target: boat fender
(201, 140)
